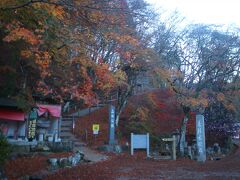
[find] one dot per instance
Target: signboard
(95, 129)
(201, 147)
(32, 124)
(140, 141)
(111, 125)
(167, 139)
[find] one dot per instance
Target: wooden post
(73, 124)
(131, 143)
(147, 144)
(174, 148)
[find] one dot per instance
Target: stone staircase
(67, 135)
(67, 131)
(68, 124)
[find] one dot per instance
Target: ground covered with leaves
(124, 166)
(31, 165)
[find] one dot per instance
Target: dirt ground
(124, 167)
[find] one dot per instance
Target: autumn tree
(204, 68)
(219, 74)
(23, 52)
(67, 49)
(135, 59)
(210, 63)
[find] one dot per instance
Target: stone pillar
(200, 137)
(111, 125)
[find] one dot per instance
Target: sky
(223, 12)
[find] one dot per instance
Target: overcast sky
(204, 11)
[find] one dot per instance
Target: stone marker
(200, 136)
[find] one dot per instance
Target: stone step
(66, 127)
(66, 123)
(79, 144)
(67, 117)
(67, 135)
(66, 138)
(66, 120)
(66, 130)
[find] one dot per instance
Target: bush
(5, 149)
(138, 127)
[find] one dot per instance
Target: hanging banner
(32, 122)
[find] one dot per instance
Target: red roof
(53, 110)
(10, 114)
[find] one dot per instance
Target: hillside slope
(156, 111)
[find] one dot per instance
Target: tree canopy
(88, 50)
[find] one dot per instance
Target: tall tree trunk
(182, 140)
(119, 110)
(123, 96)
(183, 129)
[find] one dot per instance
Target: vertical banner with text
(111, 125)
(32, 123)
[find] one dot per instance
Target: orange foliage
(123, 38)
(81, 76)
(24, 34)
(164, 115)
(220, 97)
(105, 80)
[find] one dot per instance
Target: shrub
(5, 149)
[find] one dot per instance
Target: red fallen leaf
(28, 165)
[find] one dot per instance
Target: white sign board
(140, 141)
